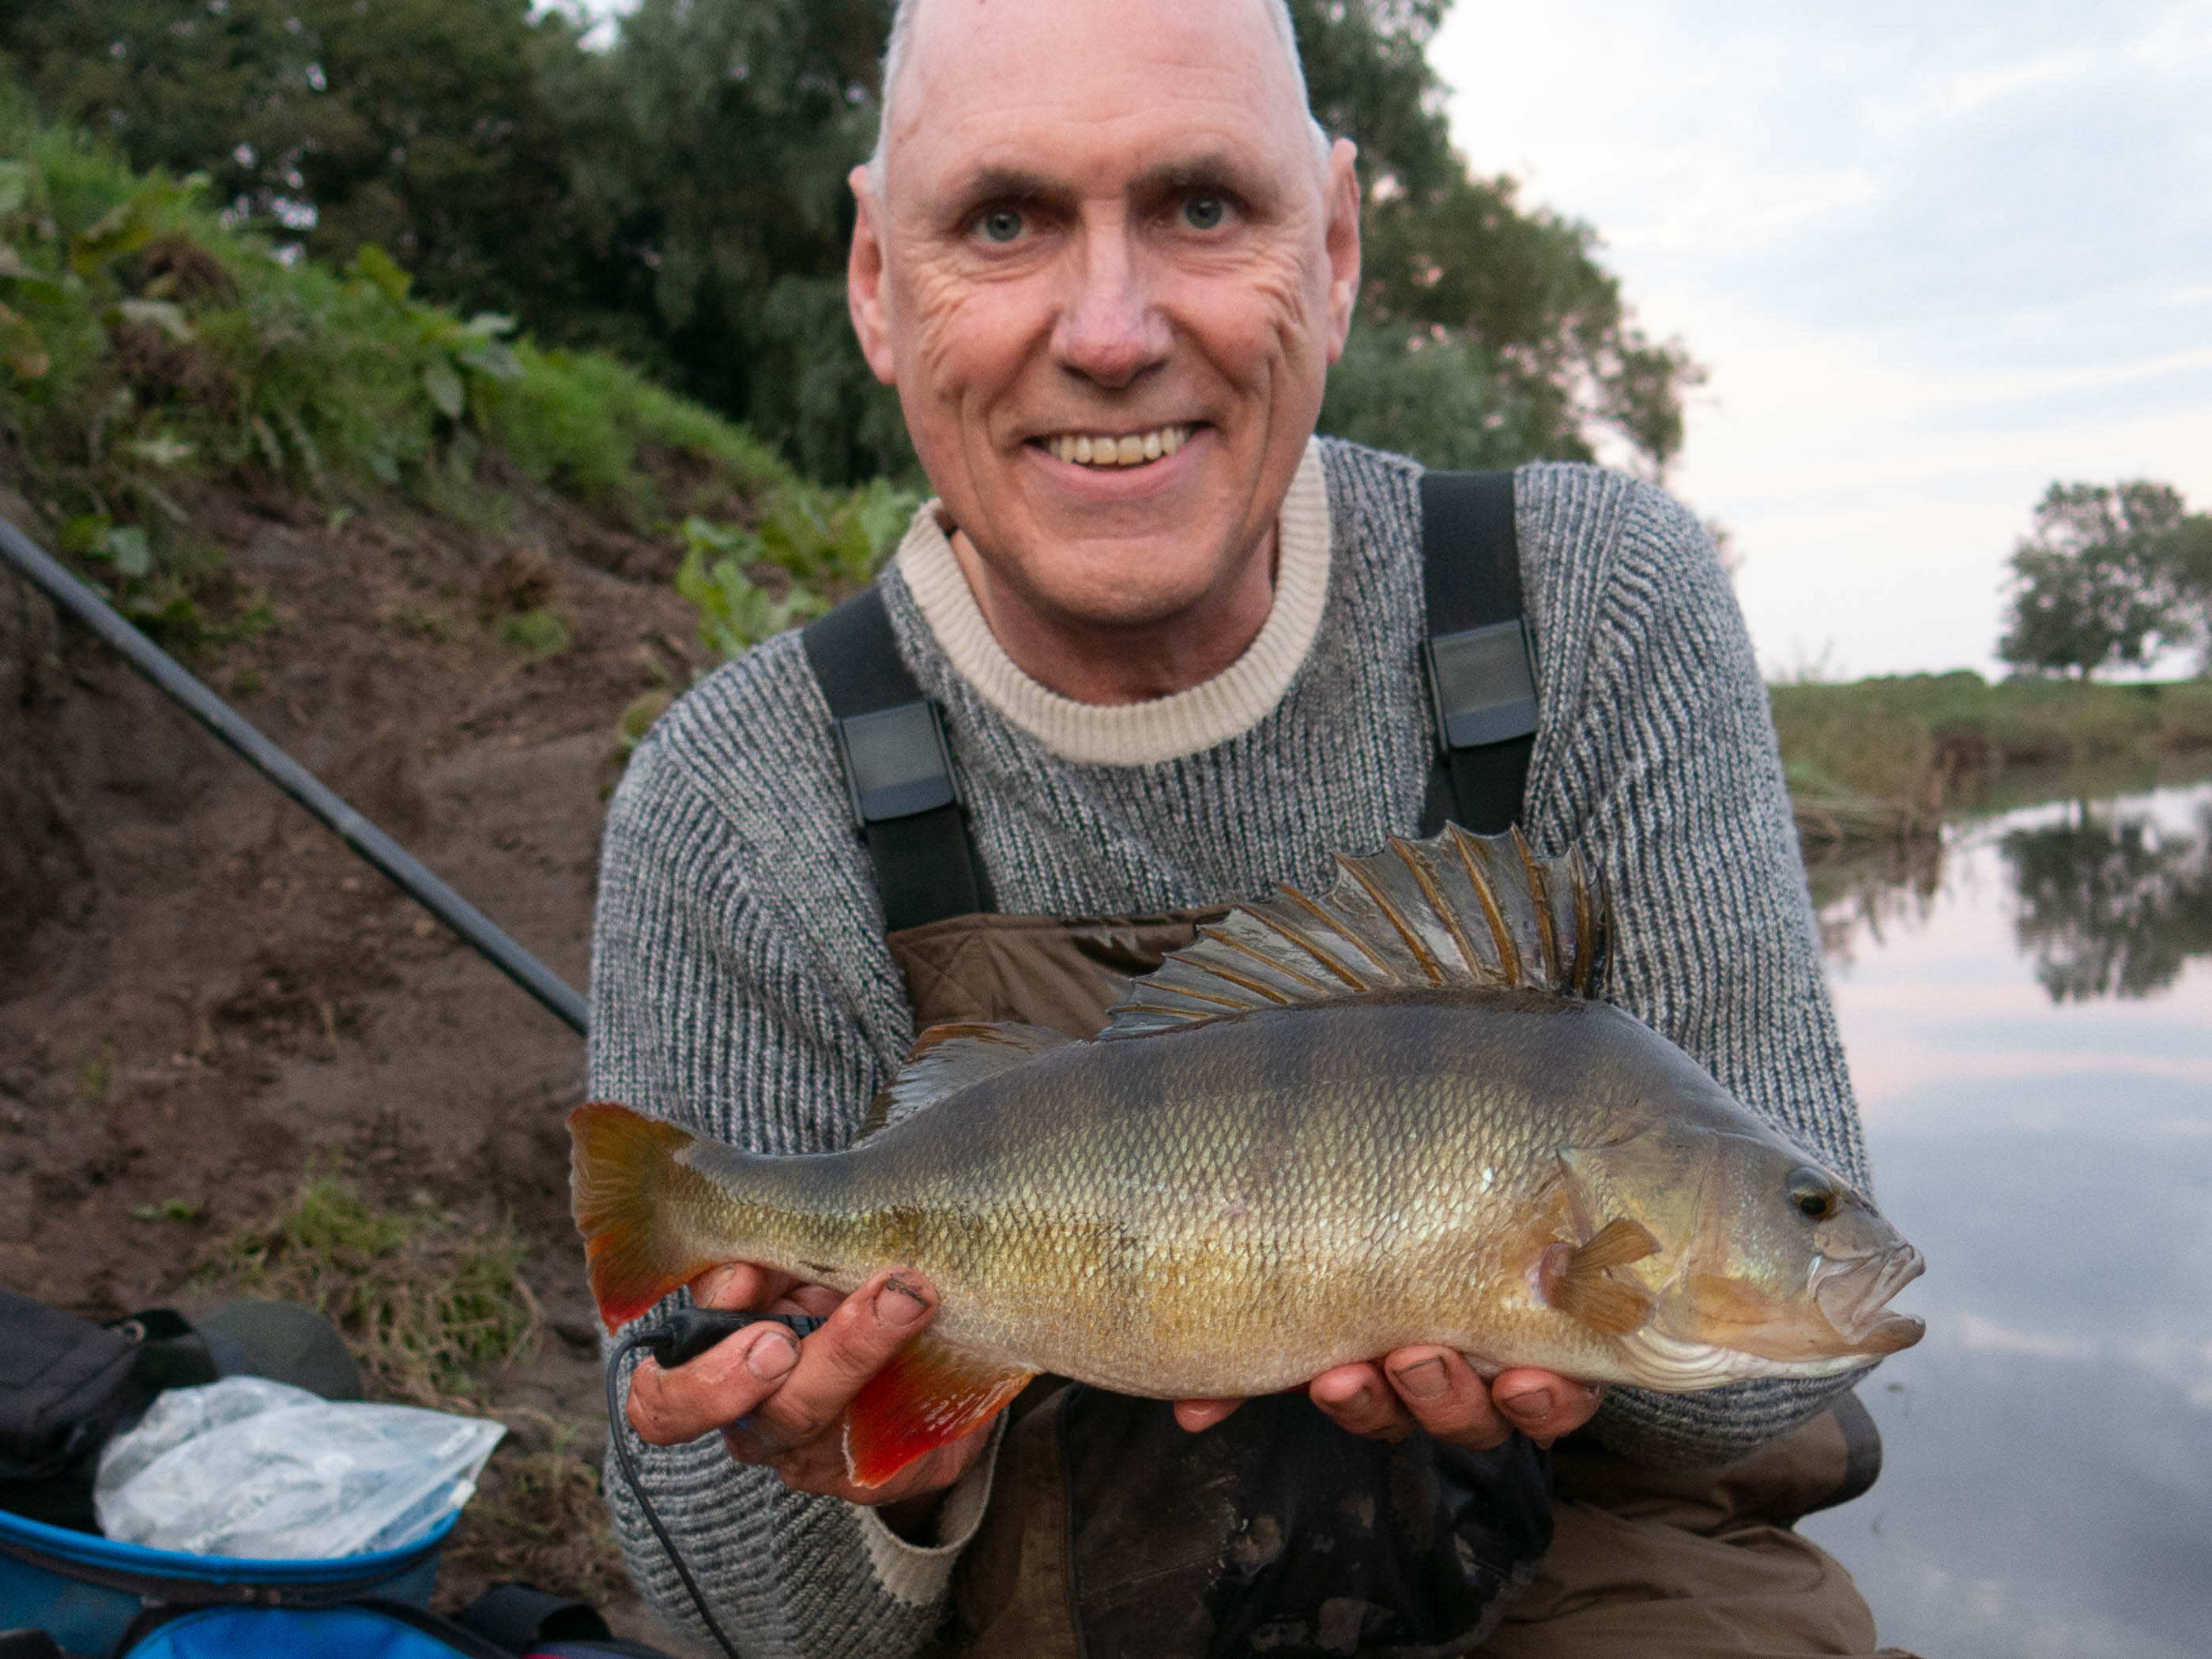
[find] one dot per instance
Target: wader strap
(1481, 672)
(898, 768)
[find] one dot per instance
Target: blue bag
(85, 1590)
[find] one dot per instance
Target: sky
(1934, 256)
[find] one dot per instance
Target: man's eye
(999, 224)
(1204, 212)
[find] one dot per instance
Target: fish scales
(1329, 1130)
(1228, 1209)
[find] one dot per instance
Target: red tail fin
(930, 1395)
(620, 1167)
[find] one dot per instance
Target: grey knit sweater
(741, 984)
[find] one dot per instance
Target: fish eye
(1810, 1192)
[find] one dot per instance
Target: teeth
(1133, 450)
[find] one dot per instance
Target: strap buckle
(897, 763)
(1481, 684)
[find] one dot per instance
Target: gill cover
(1749, 1278)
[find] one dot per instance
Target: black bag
(67, 1385)
(65, 1382)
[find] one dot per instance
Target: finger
(740, 1284)
(1195, 1416)
(1356, 1397)
(1446, 1397)
(727, 1382)
(818, 1301)
(837, 1360)
(1543, 1404)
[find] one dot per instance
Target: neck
(1110, 664)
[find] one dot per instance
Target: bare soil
(204, 993)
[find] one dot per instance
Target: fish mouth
(1853, 1294)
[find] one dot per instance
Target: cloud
(1934, 257)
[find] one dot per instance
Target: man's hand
(780, 1402)
(1435, 1390)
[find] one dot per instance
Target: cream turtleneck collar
(1166, 728)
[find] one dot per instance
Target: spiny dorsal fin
(946, 1059)
(1584, 1291)
(1460, 909)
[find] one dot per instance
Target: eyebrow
(1002, 182)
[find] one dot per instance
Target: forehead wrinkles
(1053, 78)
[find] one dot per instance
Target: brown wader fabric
(1657, 1564)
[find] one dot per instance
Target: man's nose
(1110, 330)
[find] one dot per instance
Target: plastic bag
(261, 1471)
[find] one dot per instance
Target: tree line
(676, 196)
(2111, 576)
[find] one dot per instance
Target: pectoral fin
(1583, 1290)
(930, 1395)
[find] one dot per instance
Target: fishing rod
(401, 867)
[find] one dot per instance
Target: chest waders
(1111, 1533)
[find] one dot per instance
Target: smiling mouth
(1113, 450)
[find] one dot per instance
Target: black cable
(406, 871)
(690, 1332)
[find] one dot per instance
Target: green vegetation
(145, 348)
(1885, 758)
(680, 200)
(2112, 574)
(537, 1515)
(435, 1310)
(431, 1307)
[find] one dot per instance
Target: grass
(435, 1312)
(432, 1307)
(1889, 758)
(145, 347)
(537, 1515)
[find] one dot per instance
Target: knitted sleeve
(1659, 758)
(708, 1010)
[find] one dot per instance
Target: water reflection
(2111, 904)
(2029, 1022)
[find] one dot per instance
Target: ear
(864, 278)
(1343, 241)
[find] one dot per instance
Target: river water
(2030, 1031)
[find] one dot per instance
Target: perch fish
(1330, 1128)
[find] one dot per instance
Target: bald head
(1273, 16)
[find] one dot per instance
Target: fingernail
(1359, 1401)
(1426, 1380)
(899, 1304)
(1534, 1405)
(771, 1356)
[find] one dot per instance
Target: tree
(680, 198)
(2185, 554)
(711, 146)
(2110, 908)
(420, 125)
(2092, 586)
(1500, 313)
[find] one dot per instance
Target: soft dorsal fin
(946, 1059)
(1458, 909)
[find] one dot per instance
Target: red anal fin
(930, 1395)
(1586, 1291)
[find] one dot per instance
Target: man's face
(1106, 222)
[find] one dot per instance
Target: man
(1106, 258)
